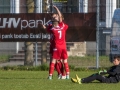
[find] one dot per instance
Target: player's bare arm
(43, 26)
(59, 13)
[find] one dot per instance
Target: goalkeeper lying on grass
(113, 74)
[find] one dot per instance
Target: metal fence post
(38, 10)
(97, 35)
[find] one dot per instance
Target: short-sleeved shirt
(59, 42)
(59, 35)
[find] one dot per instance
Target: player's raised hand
(54, 6)
(59, 13)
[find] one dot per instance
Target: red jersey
(59, 34)
(58, 42)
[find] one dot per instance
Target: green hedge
(44, 67)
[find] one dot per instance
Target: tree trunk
(44, 44)
(29, 61)
(44, 52)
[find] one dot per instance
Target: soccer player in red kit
(58, 44)
(58, 30)
(59, 64)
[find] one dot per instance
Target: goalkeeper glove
(102, 71)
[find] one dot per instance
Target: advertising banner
(27, 27)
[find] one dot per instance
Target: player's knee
(65, 61)
(57, 61)
(53, 61)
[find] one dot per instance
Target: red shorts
(59, 53)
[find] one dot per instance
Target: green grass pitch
(37, 80)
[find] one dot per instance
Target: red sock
(51, 69)
(62, 68)
(60, 65)
(57, 68)
(66, 68)
(63, 71)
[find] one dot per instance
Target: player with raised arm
(58, 30)
(59, 64)
(57, 19)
